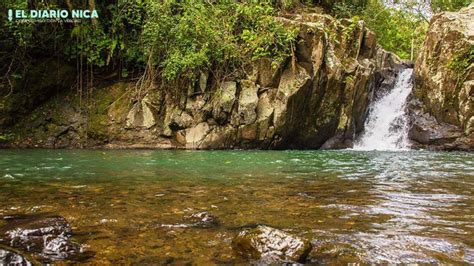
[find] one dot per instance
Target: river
(355, 206)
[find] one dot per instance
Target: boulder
(180, 120)
(142, 114)
(427, 132)
(195, 135)
(292, 80)
(444, 82)
(269, 245)
(219, 137)
(47, 237)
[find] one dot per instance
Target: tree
(448, 5)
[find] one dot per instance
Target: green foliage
(182, 37)
(17, 34)
(262, 36)
(179, 38)
(349, 79)
(461, 61)
(6, 137)
(346, 10)
(448, 5)
(397, 29)
(112, 39)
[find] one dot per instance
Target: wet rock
(426, 132)
(270, 245)
(8, 257)
(202, 220)
(48, 238)
(328, 252)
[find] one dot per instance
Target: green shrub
(183, 37)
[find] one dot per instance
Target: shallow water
(355, 206)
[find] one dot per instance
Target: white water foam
(386, 127)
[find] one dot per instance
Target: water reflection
(356, 206)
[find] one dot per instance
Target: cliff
(317, 98)
(441, 107)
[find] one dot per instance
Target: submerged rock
(270, 245)
(202, 220)
(326, 252)
(8, 257)
(48, 238)
(197, 220)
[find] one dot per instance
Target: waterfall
(386, 126)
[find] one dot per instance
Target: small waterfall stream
(386, 126)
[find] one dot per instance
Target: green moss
(460, 62)
(349, 79)
(342, 120)
(109, 103)
(98, 127)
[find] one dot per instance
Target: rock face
(270, 245)
(442, 105)
(316, 98)
(48, 238)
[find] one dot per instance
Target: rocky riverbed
(218, 207)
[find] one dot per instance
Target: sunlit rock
(444, 83)
(202, 220)
(270, 245)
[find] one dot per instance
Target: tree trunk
(92, 7)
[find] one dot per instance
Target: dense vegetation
(174, 40)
